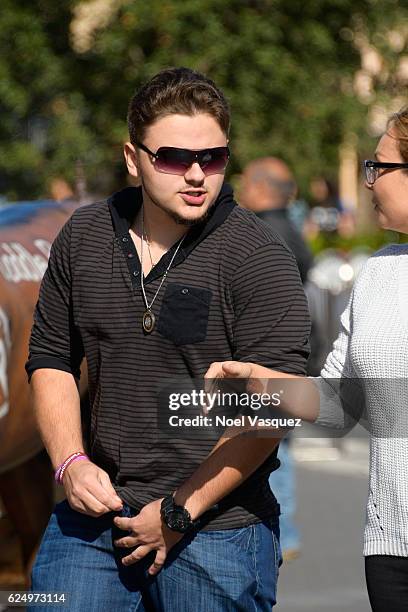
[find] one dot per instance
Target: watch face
(174, 516)
(177, 520)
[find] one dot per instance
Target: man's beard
(178, 218)
(186, 222)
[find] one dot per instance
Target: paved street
(329, 575)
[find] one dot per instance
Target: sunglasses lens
(173, 161)
(214, 161)
(178, 161)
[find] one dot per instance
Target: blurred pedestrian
(267, 188)
(328, 213)
(59, 189)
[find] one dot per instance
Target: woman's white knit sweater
(371, 352)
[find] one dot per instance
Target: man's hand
(229, 369)
(148, 532)
(299, 394)
(89, 489)
(257, 375)
(219, 370)
(260, 378)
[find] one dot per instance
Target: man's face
(171, 192)
(266, 183)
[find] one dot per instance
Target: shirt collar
(124, 205)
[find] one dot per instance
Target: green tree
(44, 126)
(288, 69)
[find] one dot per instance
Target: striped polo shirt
(233, 293)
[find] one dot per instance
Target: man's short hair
(176, 91)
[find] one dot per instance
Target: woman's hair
(176, 91)
(399, 122)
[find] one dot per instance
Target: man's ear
(131, 159)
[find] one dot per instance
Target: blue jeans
(283, 485)
(209, 571)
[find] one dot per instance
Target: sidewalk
(329, 574)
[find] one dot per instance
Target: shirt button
(125, 239)
(136, 273)
(184, 291)
(130, 255)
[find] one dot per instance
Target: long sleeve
(342, 402)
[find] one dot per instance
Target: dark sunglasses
(372, 167)
(172, 160)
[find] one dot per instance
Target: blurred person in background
(365, 375)
(328, 212)
(60, 190)
(267, 188)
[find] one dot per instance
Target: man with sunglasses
(158, 283)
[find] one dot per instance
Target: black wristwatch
(177, 518)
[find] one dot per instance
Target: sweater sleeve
(342, 402)
(272, 325)
(55, 342)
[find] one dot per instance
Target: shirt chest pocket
(184, 314)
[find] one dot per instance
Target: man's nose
(195, 174)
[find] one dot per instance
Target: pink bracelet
(59, 472)
(59, 468)
(69, 463)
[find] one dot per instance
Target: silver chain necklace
(148, 248)
(149, 320)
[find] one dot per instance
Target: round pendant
(148, 321)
